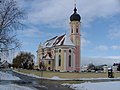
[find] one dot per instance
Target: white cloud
(115, 47)
(99, 60)
(113, 57)
(34, 32)
(84, 42)
(102, 48)
(92, 9)
(114, 33)
(57, 12)
(105, 47)
(30, 32)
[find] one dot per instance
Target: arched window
(60, 51)
(76, 30)
(49, 62)
(70, 61)
(59, 62)
(72, 30)
(70, 51)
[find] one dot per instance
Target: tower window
(77, 30)
(72, 31)
(70, 61)
(59, 64)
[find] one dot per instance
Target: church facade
(62, 53)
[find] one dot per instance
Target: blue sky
(100, 27)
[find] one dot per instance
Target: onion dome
(75, 16)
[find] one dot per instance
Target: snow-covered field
(14, 87)
(7, 76)
(95, 86)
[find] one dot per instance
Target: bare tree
(10, 21)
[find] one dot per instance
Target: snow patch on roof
(68, 41)
(49, 43)
(58, 41)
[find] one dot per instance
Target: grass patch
(50, 74)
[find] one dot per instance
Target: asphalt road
(39, 84)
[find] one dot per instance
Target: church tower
(75, 19)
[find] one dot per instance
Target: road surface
(38, 84)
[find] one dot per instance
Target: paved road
(39, 84)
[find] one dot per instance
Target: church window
(49, 62)
(60, 51)
(64, 50)
(59, 64)
(69, 51)
(70, 61)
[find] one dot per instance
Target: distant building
(62, 53)
(105, 68)
(4, 64)
(84, 68)
(114, 68)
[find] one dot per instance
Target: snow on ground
(31, 75)
(89, 79)
(14, 87)
(7, 76)
(95, 86)
(56, 78)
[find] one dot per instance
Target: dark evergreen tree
(24, 60)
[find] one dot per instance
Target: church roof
(58, 41)
(49, 43)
